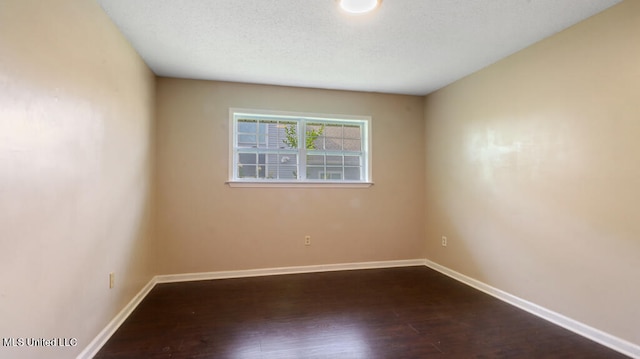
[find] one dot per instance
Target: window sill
(323, 184)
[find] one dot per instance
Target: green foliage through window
(291, 139)
(297, 147)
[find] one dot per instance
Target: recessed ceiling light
(358, 6)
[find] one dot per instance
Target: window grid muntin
(326, 166)
(360, 134)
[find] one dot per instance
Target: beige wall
(533, 170)
(204, 225)
(76, 121)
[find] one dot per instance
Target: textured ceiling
(405, 46)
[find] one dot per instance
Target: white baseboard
(101, 339)
(596, 335)
(96, 344)
(286, 270)
(608, 340)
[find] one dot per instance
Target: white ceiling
(405, 46)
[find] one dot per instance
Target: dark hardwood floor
(411, 312)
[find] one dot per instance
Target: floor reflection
(312, 338)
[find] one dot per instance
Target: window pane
(353, 145)
(332, 144)
(317, 127)
(246, 171)
(267, 147)
(333, 130)
(273, 135)
(352, 131)
(333, 173)
(288, 173)
(261, 171)
(247, 158)
(271, 171)
(288, 134)
(352, 173)
(315, 160)
(288, 167)
(334, 160)
(351, 160)
(288, 159)
(246, 141)
(280, 166)
(262, 141)
(272, 159)
(247, 126)
(314, 136)
(315, 172)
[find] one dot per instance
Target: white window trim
(253, 182)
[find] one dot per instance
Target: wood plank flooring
(411, 312)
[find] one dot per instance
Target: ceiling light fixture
(359, 6)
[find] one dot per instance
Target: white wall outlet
(112, 280)
(444, 241)
(307, 240)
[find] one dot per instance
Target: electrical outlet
(112, 280)
(444, 241)
(307, 240)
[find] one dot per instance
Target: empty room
(320, 179)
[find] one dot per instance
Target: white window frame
(302, 118)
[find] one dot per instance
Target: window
(290, 148)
